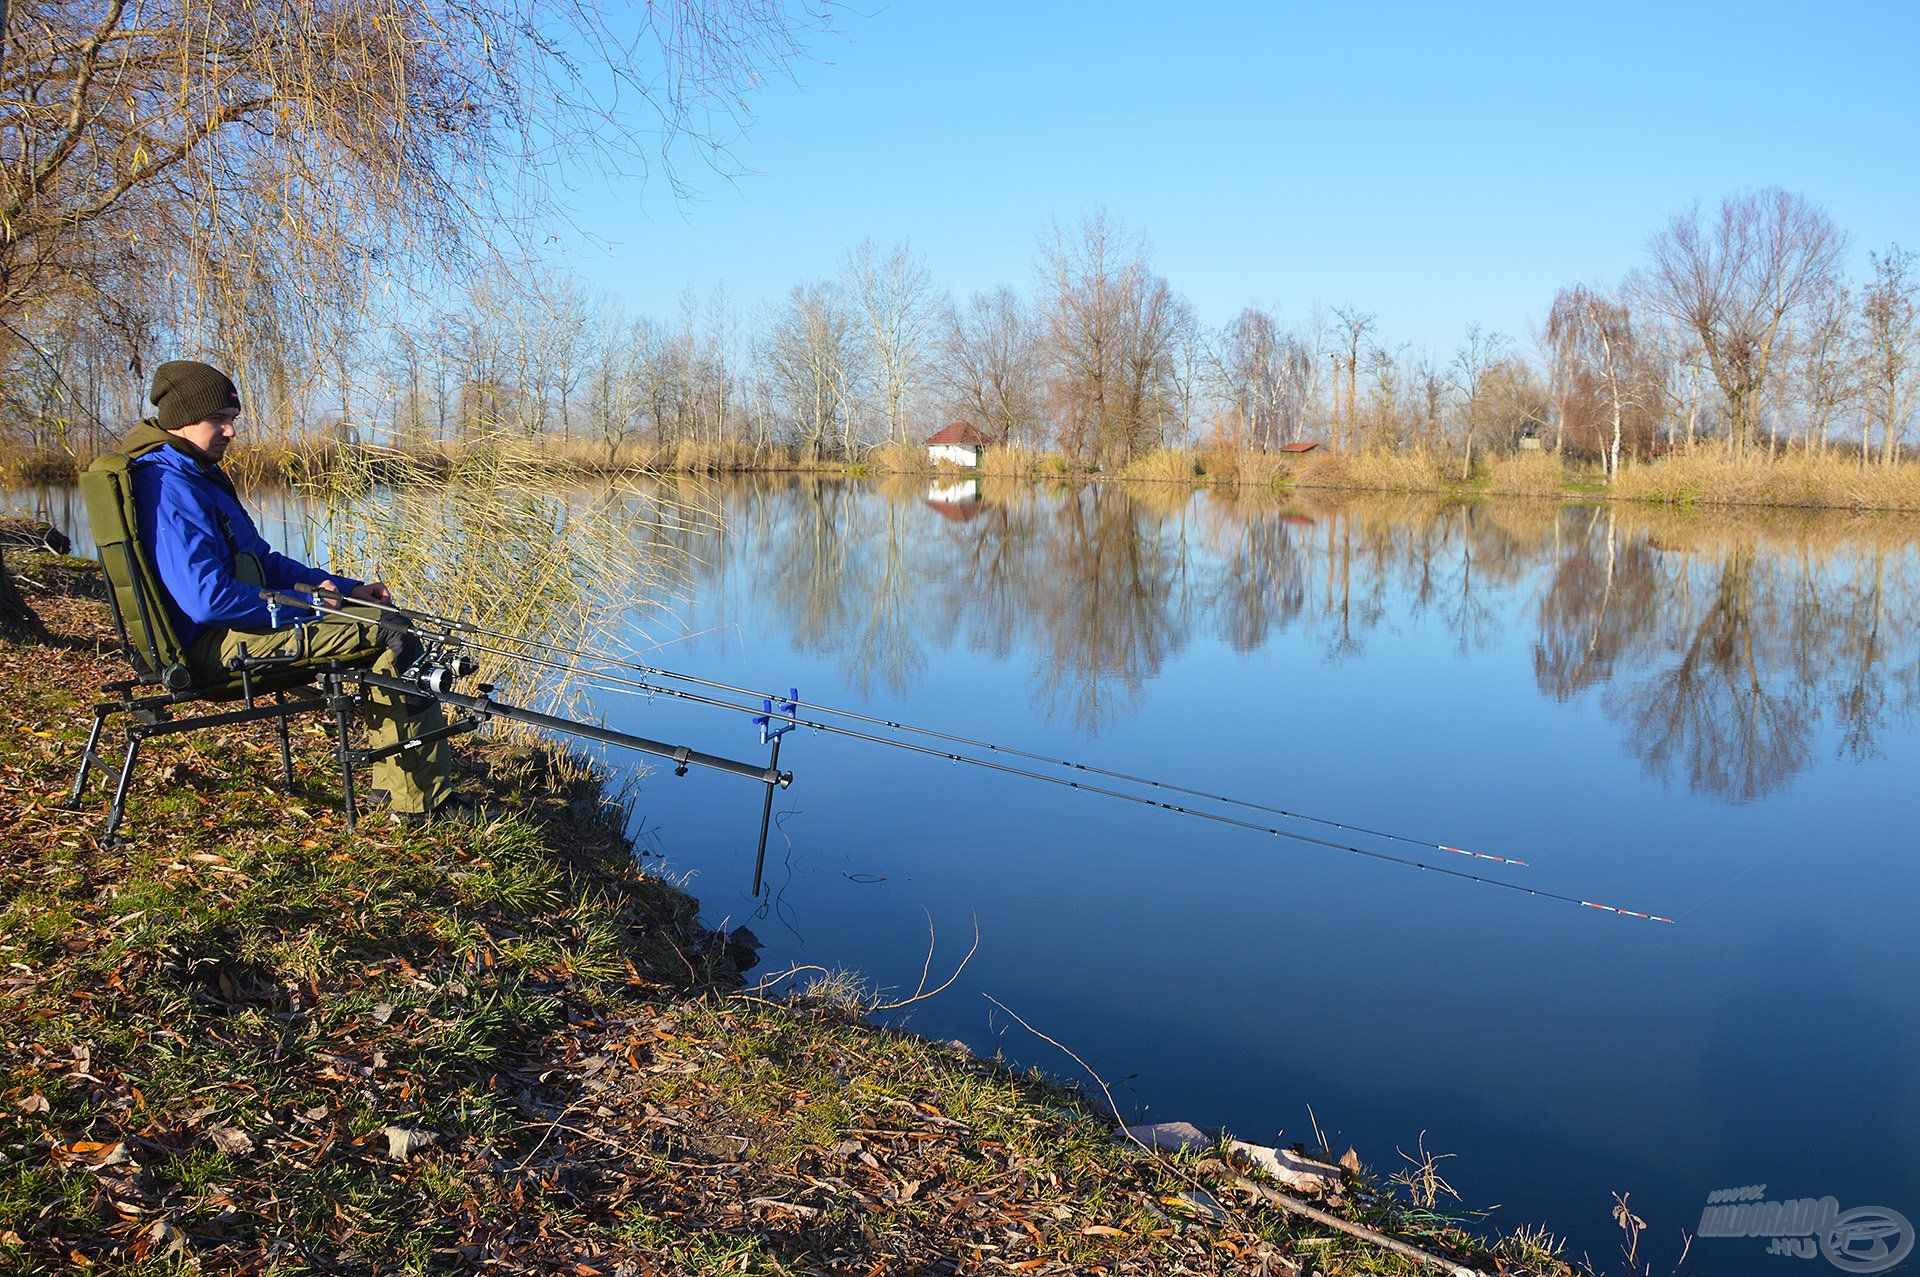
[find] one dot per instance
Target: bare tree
(1473, 366)
(812, 352)
(895, 295)
(1828, 374)
(1350, 329)
(1889, 347)
(1263, 375)
(1594, 337)
(990, 363)
(1738, 280)
(1112, 326)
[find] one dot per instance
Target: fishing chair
(163, 681)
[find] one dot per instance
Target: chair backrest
(133, 588)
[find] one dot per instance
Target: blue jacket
(193, 525)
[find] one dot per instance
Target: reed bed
(495, 541)
(898, 458)
(1796, 479)
(1527, 474)
(1373, 471)
(1163, 465)
(1227, 466)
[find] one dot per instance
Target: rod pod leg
(342, 704)
(766, 817)
(119, 808)
(286, 745)
(87, 759)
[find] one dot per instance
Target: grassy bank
(253, 1042)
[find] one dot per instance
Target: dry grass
(1710, 477)
(1163, 465)
(1528, 474)
(899, 458)
(1014, 462)
(1373, 471)
(1227, 465)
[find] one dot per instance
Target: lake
(1705, 716)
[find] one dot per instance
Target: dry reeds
(898, 458)
(1230, 466)
(495, 541)
(1163, 465)
(1015, 462)
(1376, 470)
(1527, 474)
(1796, 479)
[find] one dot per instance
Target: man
(213, 562)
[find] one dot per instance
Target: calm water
(1706, 717)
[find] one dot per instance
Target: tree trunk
(17, 618)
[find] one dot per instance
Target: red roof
(959, 433)
(1303, 446)
(958, 511)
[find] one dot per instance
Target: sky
(1439, 165)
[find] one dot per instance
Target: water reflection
(1720, 645)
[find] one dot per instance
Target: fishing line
(936, 734)
(614, 682)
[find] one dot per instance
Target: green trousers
(416, 780)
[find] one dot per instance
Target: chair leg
(119, 807)
(286, 746)
(87, 760)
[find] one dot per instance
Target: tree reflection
(1721, 653)
(1722, 647)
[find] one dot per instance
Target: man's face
(212, 435)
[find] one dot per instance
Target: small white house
(958, 444)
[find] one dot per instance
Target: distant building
(1305, 445)
(958, 444)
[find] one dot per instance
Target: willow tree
(251, 169)
(241, 178)
(1595, 344)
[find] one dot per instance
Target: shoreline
(1705, 476)
(495, 1039)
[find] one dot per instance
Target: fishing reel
(442, 662)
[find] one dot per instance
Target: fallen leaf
(404, 1142)
(230, 1140)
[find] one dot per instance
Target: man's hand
(326, 586)
(371, 592)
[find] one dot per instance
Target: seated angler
(213, 562)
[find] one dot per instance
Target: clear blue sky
(1438, 164)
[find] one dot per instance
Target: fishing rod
(932, 733)
(440, 663)
(768, 712)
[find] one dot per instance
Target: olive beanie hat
(186, 390)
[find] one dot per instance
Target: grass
(1709, 476)
(251, 1040)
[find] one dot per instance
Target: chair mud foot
(87, 759)
(119, 808)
